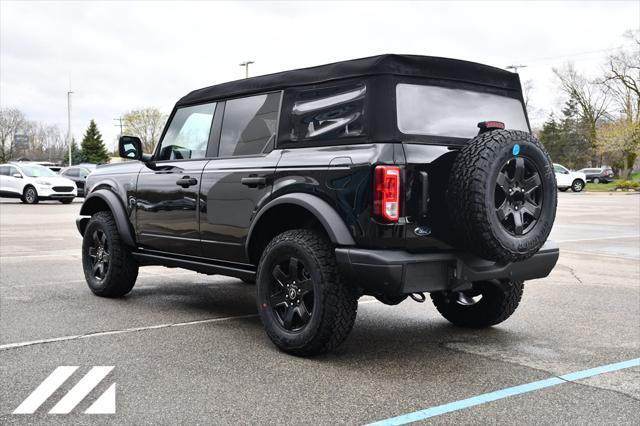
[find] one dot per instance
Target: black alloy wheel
(291, 294)
(99, 254)
(518, 196)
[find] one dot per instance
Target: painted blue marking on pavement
(504, 393)
(600, 370)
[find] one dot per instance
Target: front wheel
(30, 195)
(577, 185)
(487, 303)
(109, 268)
(305, 306)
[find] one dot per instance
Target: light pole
(515, 67)
(246, 68)
(69, 123)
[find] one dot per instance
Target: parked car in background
(599, 174)
(78, 174)
(32, 183)
(567, 179)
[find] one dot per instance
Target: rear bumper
(399, 272)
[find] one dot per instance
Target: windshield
(440, 111)
(37, 171)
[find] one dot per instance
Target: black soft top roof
(400, 65)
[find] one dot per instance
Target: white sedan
(567, 179)
(32, 183)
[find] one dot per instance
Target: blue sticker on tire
(516, 149)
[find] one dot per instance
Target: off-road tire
(578, 185)
(30, 195)
(471, 196)
(499, 301)
(122, 271)
(335, 303)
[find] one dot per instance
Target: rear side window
(440, 111)
(326, 113)
(249, 124)
(188, 134)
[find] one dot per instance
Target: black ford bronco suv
(388, 176)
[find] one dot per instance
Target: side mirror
(130, 147)
(17, 175)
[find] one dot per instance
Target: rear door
(167, 198)
(240, 178)
(13, 184)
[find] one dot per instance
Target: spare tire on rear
(502, 196)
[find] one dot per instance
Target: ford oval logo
(422, 231)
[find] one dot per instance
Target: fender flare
(117, 210)
(327, 216)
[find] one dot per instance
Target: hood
(55, 180)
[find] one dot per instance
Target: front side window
(560, 169)
(248, 124)
(440, 111)
(188, 134)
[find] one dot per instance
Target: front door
(167, 196)
(240, 179)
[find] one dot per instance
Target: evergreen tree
(77, 156)
(93, 148)
(567, 139)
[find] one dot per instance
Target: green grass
(611, 186)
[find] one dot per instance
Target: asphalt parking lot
(188, 348)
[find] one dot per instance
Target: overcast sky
(120, 56)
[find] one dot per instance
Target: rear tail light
(386, 201)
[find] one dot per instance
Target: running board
(209, 268)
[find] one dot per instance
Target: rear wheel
(596, 180)
(304, 304)
(30, 195)
(108, 266)
(487, 303)
(577, 185)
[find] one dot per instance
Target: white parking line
(618, 237)
(123, 331)
(133, 330)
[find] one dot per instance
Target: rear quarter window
(328, 113)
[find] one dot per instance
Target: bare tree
(11, 120)
(593, 99)
(147, 124)
(622, 78)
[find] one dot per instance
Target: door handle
(186, 181)
(254, 181)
